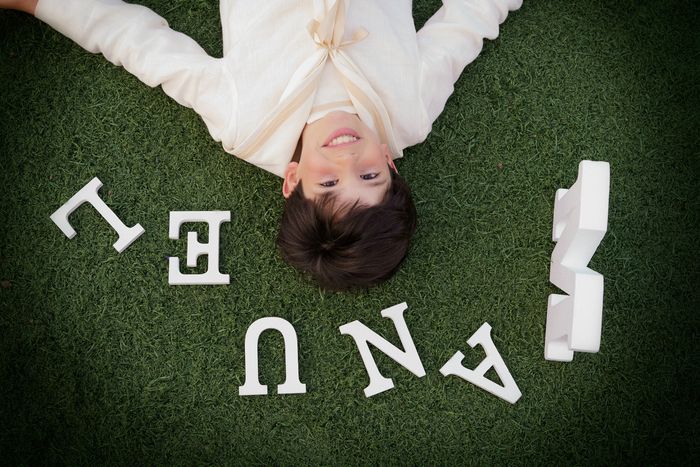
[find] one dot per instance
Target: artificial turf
(101, 361)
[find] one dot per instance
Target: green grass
(102, 362)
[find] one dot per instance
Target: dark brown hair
(348, 247)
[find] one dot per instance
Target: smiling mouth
(342, 140)
(341, 137)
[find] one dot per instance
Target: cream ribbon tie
(328, 33)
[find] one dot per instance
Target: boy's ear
(290, 179)
(389, 160)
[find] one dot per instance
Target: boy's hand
(28, 6)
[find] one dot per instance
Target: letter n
(408, 358)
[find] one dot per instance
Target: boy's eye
(329, 183)
(369, 176)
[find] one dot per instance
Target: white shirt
(257, 98)
(330, 95)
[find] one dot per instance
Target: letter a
(509, 391)
(88, 194)
(252, 386)
(408, 359)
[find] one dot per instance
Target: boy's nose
(347, 155)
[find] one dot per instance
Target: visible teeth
(342, 139)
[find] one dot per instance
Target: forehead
(367, 196)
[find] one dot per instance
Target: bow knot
(328, 33)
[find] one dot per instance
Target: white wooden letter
(509, 391)
(195, 249)
(574, 321)
(88, 194)
(408, 358)
(252, 386)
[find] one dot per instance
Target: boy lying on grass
(323, 93)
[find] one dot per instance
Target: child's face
(341, 156)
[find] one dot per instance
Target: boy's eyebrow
(333, 189)
(325, 190)
(377, 182)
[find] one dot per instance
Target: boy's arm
(450, 40)
(138, 39)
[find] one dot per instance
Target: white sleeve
(450, 40)
(138, 39)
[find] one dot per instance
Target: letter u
(291, 385)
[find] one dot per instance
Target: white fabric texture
(330, 95)
(258, 97)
